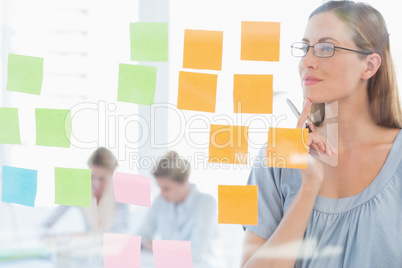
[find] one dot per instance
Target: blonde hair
(369, 34)
(171, 166)
(104, 158)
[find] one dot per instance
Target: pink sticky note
(121, 251)
(132, 189)
(172, 254)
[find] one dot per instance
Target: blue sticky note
(19, 185)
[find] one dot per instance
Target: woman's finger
(304, 114)
(314, 147)
(328, 144)
(311, 126)
(322, 143)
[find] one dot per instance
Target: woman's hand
(318, 144)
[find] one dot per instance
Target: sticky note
(132, 189)
(228, 144)
(25, 74)
(260, 40)
(121, 250)
(253, 93)
(73, 187)
(287, 148)
(197, 92)
(149, 41)
(9, 125)
(169, 254)
(19, 185)
(53, 127)
(202, 49)
(238, 204)
(136, 84)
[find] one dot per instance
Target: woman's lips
(311, 80)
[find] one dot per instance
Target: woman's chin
(314, 98)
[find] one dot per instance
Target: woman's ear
(373, 62)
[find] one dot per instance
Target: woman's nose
(310, 60)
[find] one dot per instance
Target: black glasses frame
(333, 52)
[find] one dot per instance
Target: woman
(181, 212)
(104, 214)
(344, 209)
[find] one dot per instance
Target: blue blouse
(364, 230)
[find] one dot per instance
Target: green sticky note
(136, 84)
(53, 127)
(9, 126)
(149, 41)
(25, 74)
(73, 187)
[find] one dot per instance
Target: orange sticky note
(260, 40)
(203, 49)
(228, 144)
(253, 93)
(197, 92)
(238, 204)
(287, 148)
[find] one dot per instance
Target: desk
(61, 252)
(147, 261)
(64, 251)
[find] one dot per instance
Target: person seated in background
(181, 211)
(104, 214)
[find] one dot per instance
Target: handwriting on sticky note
(228, 144)
(197, 91)
(24, 74)
(253, 93)
(287, 148)
(121, 250)
(203, 49)
(53, 127)
(136, 84)
(9, 125)
(168, 253)
(132, 189)
(19, 185)
(260, 41)
(238, 204)
(73, 187)
(149, 41)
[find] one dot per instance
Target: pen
(296, 112)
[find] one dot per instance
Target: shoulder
(206, 199)
(158, 202)
(395, 142)
(202, 201)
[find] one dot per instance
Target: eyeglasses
(321, 50)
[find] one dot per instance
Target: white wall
(83, 43)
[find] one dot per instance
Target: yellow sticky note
(287, 148)
(203, 49)
(253, 93)
(228, 144)
(197, 92)
(260, 40)
(238, 204)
